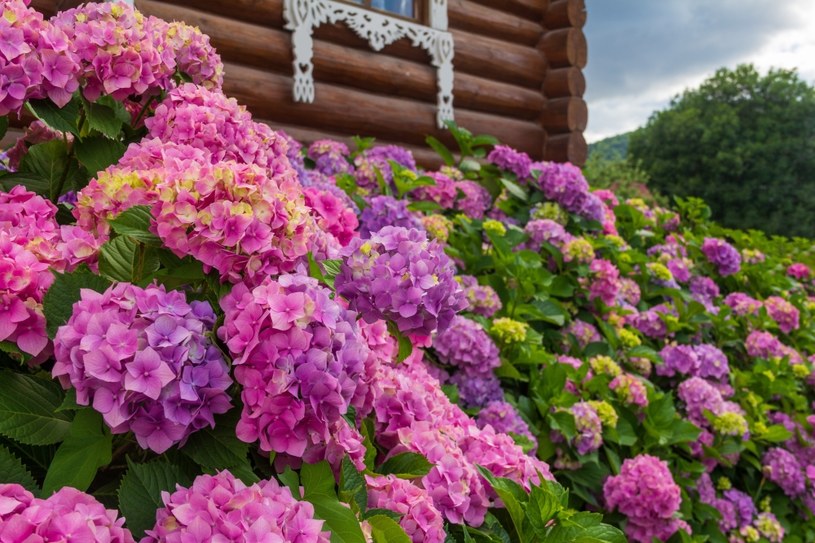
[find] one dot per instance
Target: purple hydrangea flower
(329, 157)
(141, 357)
(516, 162)
(483, 299)
(465, 345)
(386, 211)
(475, 199)
(589, 427)
(376, 159)
(477, 390)
(399, 275)
(503, 417)
(782, 468)
(723, 255)
(542, 231)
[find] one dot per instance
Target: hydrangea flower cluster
(482, 299)
(723, 255)
(386, 211)
(504, 418)
(438, 227)
(398, 275)
(332, 216)
(589, 427)
(142, 359)
(565, 184)
(515, 162)
(540, 231)
(329, 157)
(465, 345)
(630, 390)
(508, 331)
(298, 356)
(194, 55)
(799, 271)
(783, 313)
(782, 468)
(737, 508)
(605, 284)
(66, 515)
(477, 390)
(236, 219)
(222, 508)
(444, 192)
(375, 159)
(742, 304)
(420, 519)
(474, 201)
(646, 493)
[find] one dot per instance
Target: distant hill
(615, 147)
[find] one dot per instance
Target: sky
(644, 52)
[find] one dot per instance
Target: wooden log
(530, 9)
(425, 157)
(565, 47)
(494, 23)
(561, 115)
(271, 49)
(564, 82)
(498, 60)
(569, 147)
(262, 12)
(348, 111)
(565, 13)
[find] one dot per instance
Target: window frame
(420, 12)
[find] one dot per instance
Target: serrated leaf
(441, 149)
(514, 189)
(12, 470)
(317, 478)
(63, 119)
(352, 485)
(50, 162)
(403, 342)
(135, 222)
(88, 447)
(513, 496)
(28, 410)
(339, 520)
(98, 152)
(140, 492)
(117, 258)
(218, 448)
(406, 465)
(107, 116)
(60, 298)
(386, 530)
(30, 180)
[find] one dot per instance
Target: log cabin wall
(517, 74)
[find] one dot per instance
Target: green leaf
(775, 434)
(470, 165)
(404, 343)
(28, 410)
(98, 152)
(12, 470)
(339, 520)
(65, 119)
(551, 312)
(352, 485)
(424, 206)
(386, 530)
(406, 465)
(317, 478)
(31, 181)
(140, 492)
(290, 478)
(514, 189)
(513, 496)
(135, 222)
(117, 259)
(49, 161)
(106, 116)
(218, 448)
(59, 300)
(441, 149)
(602, 533)
(3, 126)
(87, 448)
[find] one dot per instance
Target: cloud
(643, 52)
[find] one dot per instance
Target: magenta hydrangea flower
(783, 313)
(298, 356)
(630, 390)
(336, 221)
(66, 515)
(443, 193)
(782, 468)
(605, 281)
(565, 184)
(465, 345)
(799, 271)
(375, 159)
(651, 323)
(588, 426)
(398, 275)
(236, 219)
(222, 508)
(699, 396)
(723, 255)
(540, 231)
(504, 418)
(646, 493)
(474, 200)
(329, 157)
(515, 162)
(763, 345)
(482, 299)
(742, 304)
(194, 55)
(141, 357)
(678, 359)
(420, 519)
(387, 211)
(583, 332)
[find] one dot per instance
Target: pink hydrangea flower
(420, 519)
(783, 313)
(605, 284)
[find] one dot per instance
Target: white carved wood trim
(379, 29)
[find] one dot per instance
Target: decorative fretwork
(379, 29)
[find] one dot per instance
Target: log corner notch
(564, 116)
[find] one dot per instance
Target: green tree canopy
(743, 142)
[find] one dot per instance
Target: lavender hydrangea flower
(475, 199)
(723, 255)
(465, 345)
(386, 211)
(376, 159)
(477, 390)
(589, 427)
(329, 157)
(542, 231)
(516, 162)
(483, 299)
(141, 357)
(782, 468)
(398, 275)
(503, 417)
(565, 184)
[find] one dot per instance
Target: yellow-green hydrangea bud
(730, 424)
(800, 371)
(507, 330)
(578, 249)
(760, 428)
(605, 365)
(452, 172)
(769, 527)
(495, 227)
(628, 338)
(749, 534)
(724, 483)
(551, 211)
(606, 412)
(617, 241)
(765, 504)
(637, 203)
(438, 227)
(640, 365)
(624, 258)
(659, 271)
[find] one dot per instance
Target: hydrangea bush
(210, 332)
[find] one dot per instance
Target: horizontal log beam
(271, 49)
(565, 13)
(565, 115)
(262, 12)
(498, 60)
(530, 9)
(494, 23)
(565, 47)
(570, 147)
(336, 109)
(564, 82)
